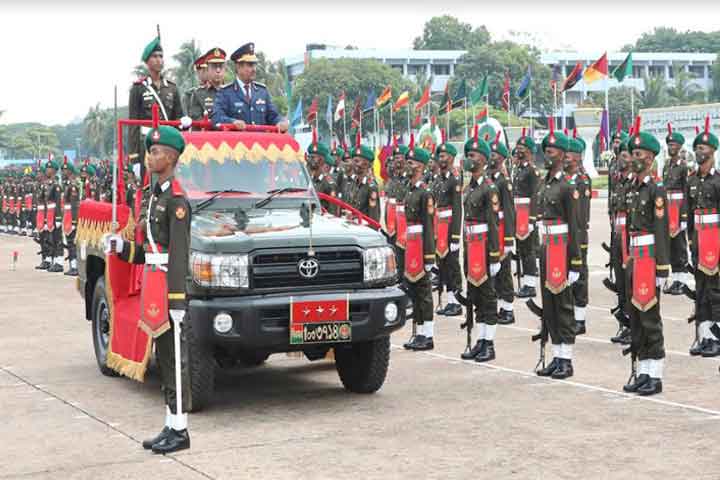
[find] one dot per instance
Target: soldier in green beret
(53, 217)
(395, 190)
(526, 181)
(675, 176)
(165, 252)
(419, 249)
(704, 203)
(648, 266)
(318, 155)
(365, 195)
(71, 207)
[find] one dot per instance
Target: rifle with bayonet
(542, 335)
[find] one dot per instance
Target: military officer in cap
(165, 253)
(201, 73)
(560, 258)
(53, 217)
(649, 264)
(146, 92)
(71, 207)
(675, 176)
(365, 196)
(318, 154)
(506, 231)
(202, 99)
(526, 182)
(481, 205)
(704, 203)
(246, 101)
(419, 249)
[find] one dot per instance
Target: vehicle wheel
(252, 358)
(101, 327)
(202, 369)
(363, 366)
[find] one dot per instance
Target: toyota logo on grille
(308, 268)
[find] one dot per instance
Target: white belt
(401, 208)
(707, 218)
(642, 240)
(414, 229)
(156, 259)
(479, 228)
(445, 213)
(50, 205)
(501, 214)
(620, 221)
(676, 196)
(67, 207)
(555, 229)
(522, 201)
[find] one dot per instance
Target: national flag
(402, 101)
(424, 100)
(446, 104)
(370, 100)
(312, 111)
(555, 78)
(297, 115)
(384, 97)
(573, 78)
(417, 121)
(624, 69)
(605, 127)
(480, 92)
(329, 113)
(596, 71)
(506, 93)
(524, 84)
(483, 115)
(340, 109)
(460, 94)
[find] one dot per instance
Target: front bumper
(262, 322)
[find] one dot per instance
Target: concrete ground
(436, 416)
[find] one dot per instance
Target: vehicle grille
(279, 269)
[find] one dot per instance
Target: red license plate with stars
(320, 321)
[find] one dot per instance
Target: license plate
(320, 321)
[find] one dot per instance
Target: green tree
(184, 73)
(668, 39)
(683, 91)
(449, 33)
(42, 141)
(715, 91)
(620, 104)
(655, 94)
(140, 70)
(96, 125)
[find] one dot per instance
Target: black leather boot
(73, 272)
(174, 441)
(408, 345)
(441, 310)
(580, 327)
(487, 353)
(697, 347)
(43, 265)
(564, 370)
(549, 369)
(675, 289)
(506, 317)
(651, 387)
(147, 444)
(473, 352)
(526, 292)
(711, 348)
(453, 310)
(423, 343)
(622, 337)
(640, 380)
(55, 268)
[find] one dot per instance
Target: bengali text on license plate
(331, 332)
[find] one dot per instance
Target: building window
(416, 70)
(657, 71)
(441, 69)
(697, 71)
(397, 67)
(638, 72)
(671, 71)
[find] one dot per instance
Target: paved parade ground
(436, 417)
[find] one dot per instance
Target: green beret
(164, 135)
(338, 152)
(51, 164)
(527, 142)
(556, 140)
(69, 166)
(624, 145)
(622, 136)
(400, 150)
(419, 155)
(708, 139)
(90, 169)
(363, 151)
(574, 146)
(446, 147)
(645, 141)
(321, 149)
(676, 137)
(500, 149)
(583, 145)
(151, 48)
(480, 146)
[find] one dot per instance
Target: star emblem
(333, 310)
(306, 312)
(320, 310)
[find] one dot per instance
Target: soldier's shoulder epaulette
(140, 80)
(226, 86)
(177, 189)
(261, 85)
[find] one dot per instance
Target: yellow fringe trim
(241, 152)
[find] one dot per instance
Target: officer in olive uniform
(88, 183)
(447, 190)
(649, 265)
(132, 186)
(166, 247)
(53, 201)
(146, 92)
(345, 177)
(246, 101)
(704, 203)
(202, 99)
(419, 249)
(526, 182)
(583, 185)
(201, 70)
(558, 211)
(71, 203)
(481, 206)
(318, 154)
(675, 174)
(506, 217)
(395, 190)
(364, 195)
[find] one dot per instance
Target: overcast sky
(60, 58)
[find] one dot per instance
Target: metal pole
(607, 110)
(531, 111)
(466, 127)
(114, 225)
(408, 119)
(564, 98)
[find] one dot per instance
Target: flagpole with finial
(465, 137)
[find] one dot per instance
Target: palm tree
(140, 70)
(684, 91)
(655, 94)
(95, 126)
(184, 73)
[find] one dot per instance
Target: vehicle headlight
(219, 271)
(379, 264)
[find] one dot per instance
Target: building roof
(552, 58)
(380, 54)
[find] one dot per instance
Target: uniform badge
(637, 141)
(457, 188)
(576, 194)
(180, 213)
(156, 136)
(495, 202)
(260, 101)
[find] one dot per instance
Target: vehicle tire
(252, 358)
(100, 326)
(202, 369)
(363, 366)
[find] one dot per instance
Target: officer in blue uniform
(246, 101)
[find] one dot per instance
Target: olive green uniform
(419, 210)
(503, 280)
(201, 101)
(526, 183)
(583, 184)
(324, 184)
(675, 176)
(71, 197)
(365, 197)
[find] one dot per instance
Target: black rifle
(469, 319)
(518, 268)
(633, 359)
(542, 335)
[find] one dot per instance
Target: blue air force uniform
(250, 103)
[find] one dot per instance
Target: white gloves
(531, 227)
(494, 268)
(109, 239)
(683, 226)
(177, 316)
(185, 122)
(429, 267)
(510, 249)
(455, 246)
(136, 170)
(662, 281)
(573, 277)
